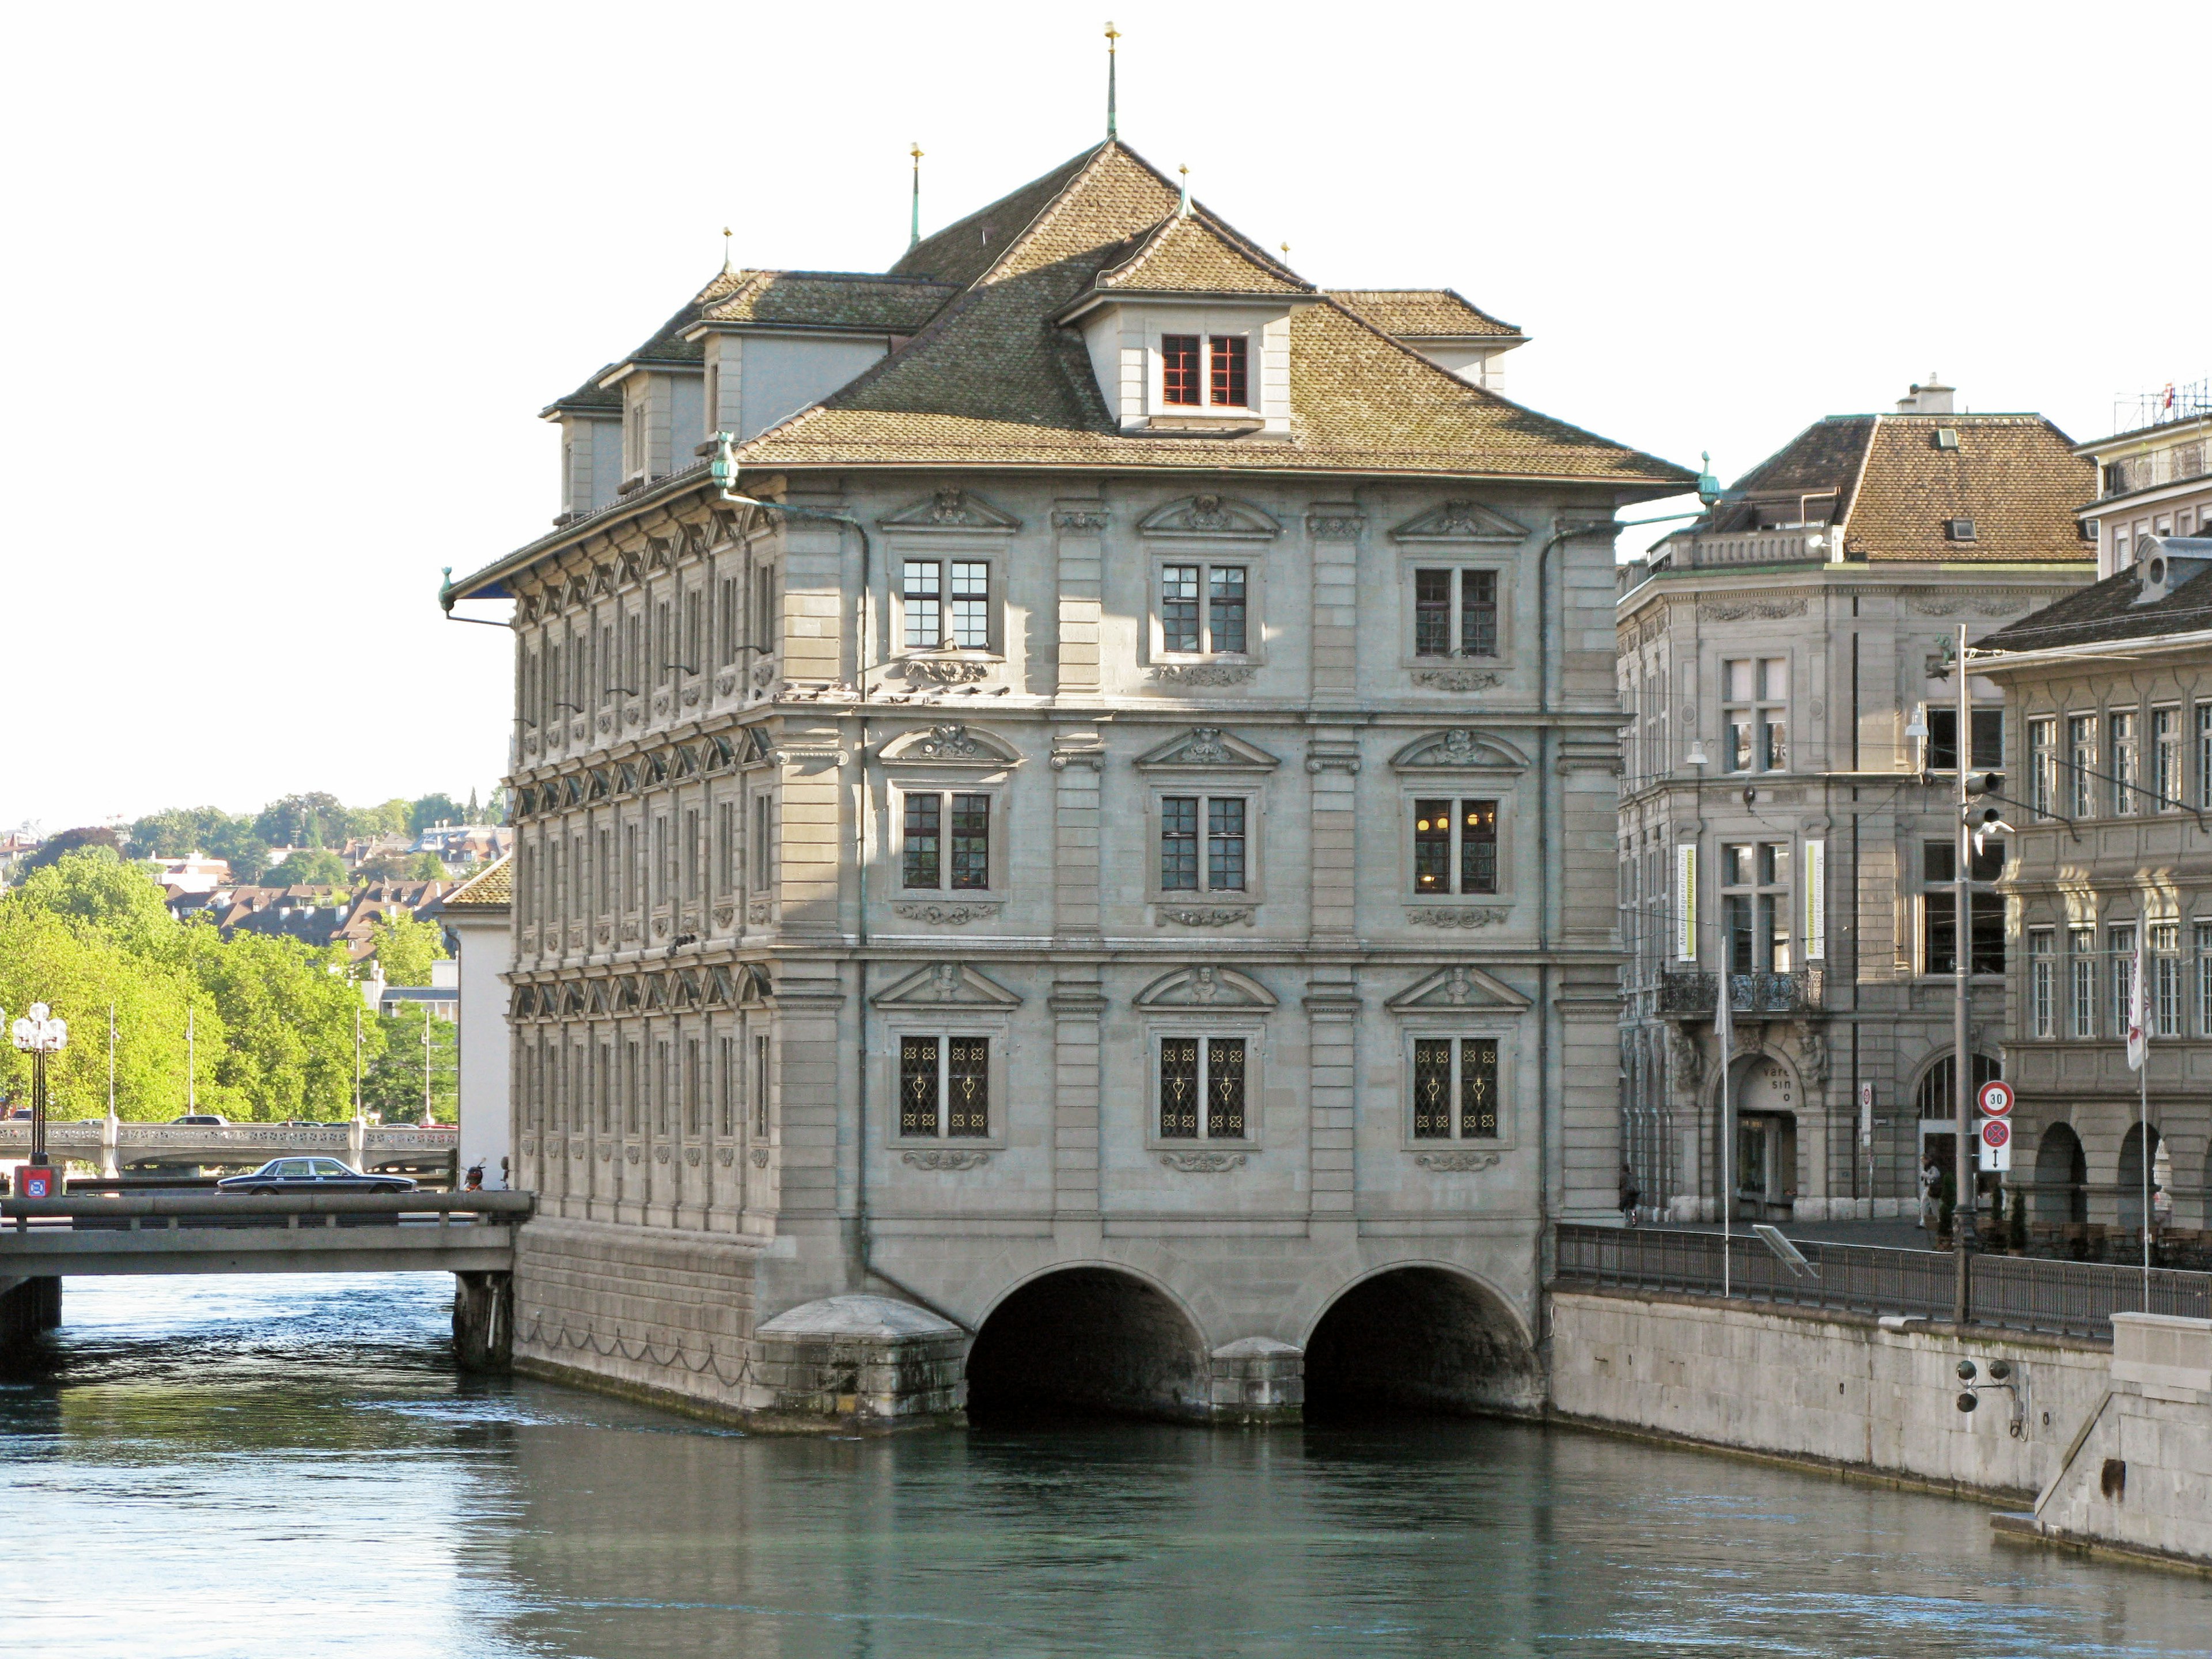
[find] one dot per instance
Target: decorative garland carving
(945, 742)
(1455, 679)
(946, 670)
(1738, 610)
(1204, 673)
(950, 914)
(1334, 527)
(1434, 916)
(949, 1159)
(1203, 1163)
(1998, 604)
(1208, 915)
(1069, 519)
(1455, 1162)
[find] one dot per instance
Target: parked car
(20, 1114)
(203, 1120)
(315, 1174)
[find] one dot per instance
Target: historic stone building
(2108, 699)
(1090, 835)
(1777, 660)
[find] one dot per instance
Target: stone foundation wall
(649, 1308)
(1833, 1389)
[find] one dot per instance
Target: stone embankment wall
(1833, 1389)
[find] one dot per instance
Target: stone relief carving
(950, 1159)
(946, 670)
(1203, 1163)
(630, 1153)
(1078, 520)
(726, 916)
(1195, 915)
(1436, 917)
(1997, 603)
(1461, 519)
(1455, 679)
(1204, 673)
(1208, 515)
(726, 682)
(726, 1156)
(757, 911)
(765, 672)
(607, 1153)
(949, 914)
(691, 1156)
(691, 695)
(1334, 527)
(950, 509)
(759, 1156)
(945, 742)
(1454, 1163)
(1738, 610)
(660, 1154)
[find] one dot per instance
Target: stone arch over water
(1420, 1337)
(1088, 1338)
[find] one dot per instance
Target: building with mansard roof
(1775, 658)
(1062, 797)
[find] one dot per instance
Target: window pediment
(952, 510)
(949, 746)
(1461, 521)
(947, 985)
(1208, 748)
(1206, 987)
(1460, 748)
(1211, 517)
(1462, 987)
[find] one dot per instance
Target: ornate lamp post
(39, 1034)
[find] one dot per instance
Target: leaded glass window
(921, 1086)
(1455, 1088)
(1212, 1070)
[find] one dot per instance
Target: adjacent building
(1777, 660)
(2154, 479)
(1104, 814)
(478, 917)
(2108, 698)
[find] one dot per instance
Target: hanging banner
(1816, 901)
(1685, 901)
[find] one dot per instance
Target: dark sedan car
(312, 1174)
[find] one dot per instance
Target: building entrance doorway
(1765, 1139)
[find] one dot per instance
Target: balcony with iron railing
(1764, 995)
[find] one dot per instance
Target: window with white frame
(2165, 759)
(945, 604)
(2082, 746)
(1203, 843)
(2125, 773)
(2082, 966)
(1754, 695)
(2042, 982)
(2120, 956)
(1454, 847)
(945, 1086)
(760, 1089)
(726, 1084)
(1454, 1088)
(1455, 613)
(763, 842)
(945, 840)
(1205, 610)
(2165, 972)
(1755, 906)
(1202, 1087)
(2204, 753)
(2203, 942)
(2043, 766)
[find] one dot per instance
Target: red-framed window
(1229, 370)
(1179, 368)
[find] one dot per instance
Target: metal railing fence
(2022, 1294)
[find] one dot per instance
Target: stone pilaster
(1078, 1004)
(1333, 529)
(1333, 764)
(1332, 1005)
(1079, 529)
(1077, 763)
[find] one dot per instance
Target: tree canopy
(405, 948)
(311, 866)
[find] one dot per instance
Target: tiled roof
(492, 889)
(2107, 611)
(1411, 313)
(1190, 253)
(2015, 477)
(993, 381)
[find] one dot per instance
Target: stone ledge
(2010, 1528)
(1833, 1317)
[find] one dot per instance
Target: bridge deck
(106, 1233)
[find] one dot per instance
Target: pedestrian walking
(1931, 1182)
(1630, 1196)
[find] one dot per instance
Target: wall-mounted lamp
(1697, 756)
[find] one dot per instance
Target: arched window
(1934, 1097)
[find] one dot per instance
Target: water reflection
(276, 1467)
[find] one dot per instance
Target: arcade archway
(1087, 1340)
(1417, 1339)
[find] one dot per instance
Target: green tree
(433, 809)
(288, 1010)
(427, 867)
(392, 1089)
(60, 845)
(311, 866)
(177, 832)
(120, 901)
(405, 948)
(392, 817)
(307, 820)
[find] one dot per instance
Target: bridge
(380, 1148)
(470, 1234)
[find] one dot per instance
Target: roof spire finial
(1183, 211)
(913, 227)
(1112, 34)
(728, 253)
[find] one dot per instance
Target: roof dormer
(1458, 338)
(1189, 332)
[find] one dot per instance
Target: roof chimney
(1933, 397)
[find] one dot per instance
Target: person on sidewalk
(1630, 1196)
(1931, 1182)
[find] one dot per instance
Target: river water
(288, 1466)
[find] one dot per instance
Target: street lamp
(39, 1033)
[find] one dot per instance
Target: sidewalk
(1896, 1233)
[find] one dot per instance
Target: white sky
(287, 283)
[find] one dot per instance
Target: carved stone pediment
(1460, 748)
(1212, 516)
(1461, 986)
(1206, 987)
(950, 746)
(951, 509)
(947, 985)
(1462, 521)
(1208, 747)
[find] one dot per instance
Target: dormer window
(1226, 375)
(1958, 530)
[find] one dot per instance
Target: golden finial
(728, 250)
(1112, 35)
(1184, 209)
(913, 223)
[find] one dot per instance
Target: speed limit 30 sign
(1994, 1098)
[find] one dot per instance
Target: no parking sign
(1995, 1142)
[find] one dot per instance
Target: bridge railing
(140, 1211)
(246, 1137)
(2063, 1298)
